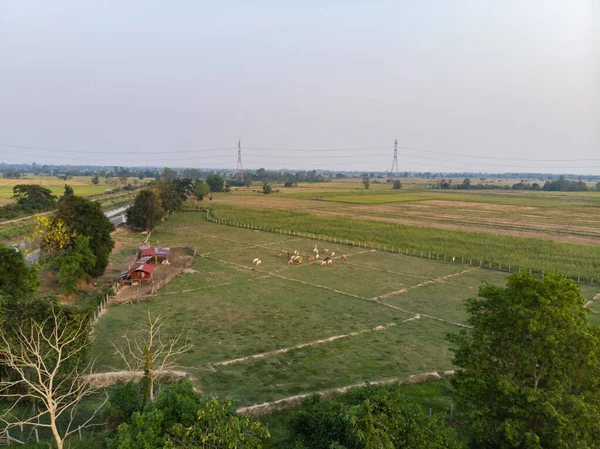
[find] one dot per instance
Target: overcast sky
(511, 85)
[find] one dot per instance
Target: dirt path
(422, 284)
(268, 407)
(107, 379)
(304, 345)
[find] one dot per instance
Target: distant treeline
(262, 174)
(558, 185)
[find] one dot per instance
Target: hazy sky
(172, 82)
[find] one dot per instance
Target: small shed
(161, 254)
(147, 252)
(141, 272)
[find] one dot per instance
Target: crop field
(268, 332)
(573, 259)
(81, 184)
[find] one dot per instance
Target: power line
(142, 153)
(196, 151)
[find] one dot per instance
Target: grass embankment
(531, 253)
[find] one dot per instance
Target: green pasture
(230, 309)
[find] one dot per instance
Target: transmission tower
(240, 167)
(395, 161)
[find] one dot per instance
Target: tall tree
(215, 182)
(95, 180)
(397, 185)
(71, 265)
(528, 369)
(85, 218)
(146, 211)
(170, 199)
(184, 187)
(201, 189)
(152, 352)
(169, 174)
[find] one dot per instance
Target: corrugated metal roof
(146, 268)
(148, 252)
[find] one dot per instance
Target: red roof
(148, 252)
(146, 268)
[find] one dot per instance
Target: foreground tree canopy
(17, 279)
(529, 368)
(181, 418)
(372, 417)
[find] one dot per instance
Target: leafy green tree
(367, 182)
(215, 182)
(17, 279)
(169, 174)
(34, 198)
(528, 369)
(397, 185)
(95, 180)
(248, 179)
(146, 210)
(266, 187)
(598, 186)
(86, 219)
(182, 418)
(171, 201)
(290, 183)
(371, 417)
(201, 189)
(466, 184)
(69, 190)
(72, 264)
(184, 187)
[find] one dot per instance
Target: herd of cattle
(295, 257)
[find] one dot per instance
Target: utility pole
(240, 167)
(395, 161)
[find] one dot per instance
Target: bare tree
(152, 352)
(47, 365)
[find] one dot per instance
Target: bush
(397, 185)
(266, 188)
(368, 418)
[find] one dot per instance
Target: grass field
(82, 185)
(400, 307)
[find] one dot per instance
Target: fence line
(504, 268)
